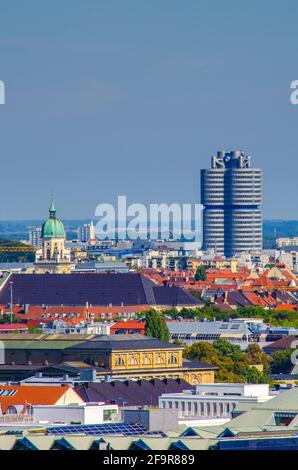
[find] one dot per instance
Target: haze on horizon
(109, 98)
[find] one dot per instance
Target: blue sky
(134, 96)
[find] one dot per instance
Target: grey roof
(14, 265)
(106, 265)
(83, 442)
(261, 415)
(124, 342)
(207, 327)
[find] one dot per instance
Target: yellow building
(122, 356)
(162, 361)
(214, 263)
(53, 257)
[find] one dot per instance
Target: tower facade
(53, 257)
(231, 193)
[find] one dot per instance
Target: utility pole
(11, 283)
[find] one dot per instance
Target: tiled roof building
(96, 289)
(119, 356)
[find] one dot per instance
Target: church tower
(53, 257)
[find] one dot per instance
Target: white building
(290, 260)
(86, 232)
(35, 237)
(236, 332)
(83, 328)
(78, 413)
(286, 241)
(213, 403)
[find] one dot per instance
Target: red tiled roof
(26, 395)
(13, 326)
(286, 307)
(129, 324)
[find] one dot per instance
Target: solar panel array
(122, 429)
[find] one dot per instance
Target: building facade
(231, 193)
(214, 401)
(35, 237)
(86, 233)
(130, 356)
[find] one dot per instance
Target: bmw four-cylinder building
(231, 193)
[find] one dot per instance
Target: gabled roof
(281, 344)
(26, 395)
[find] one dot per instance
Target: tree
(227, 349)
(234, 365)
(7, 318)
(33, 329)
(281, 362)
(200, 274)
(156, 325)
(256, 356)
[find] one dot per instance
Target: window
(133, 361)
(170, 404)
(109, 414)
(160, 359)
(146, 360)
(183, 406)
(202, 408)
(119, 361)
(11, 410)
(28, 410)
(195, 408)
(172, 359)
(176, 405)
(208, 409)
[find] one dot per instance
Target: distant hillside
(273, 229)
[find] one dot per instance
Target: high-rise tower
(231, 193)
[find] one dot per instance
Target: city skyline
(119, 86)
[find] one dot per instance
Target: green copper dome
(53, 227)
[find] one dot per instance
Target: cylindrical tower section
(212, 187)
(213, 235)
(244, 187)
(212, 198)
(246, 231)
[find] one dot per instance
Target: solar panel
(98, 429)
